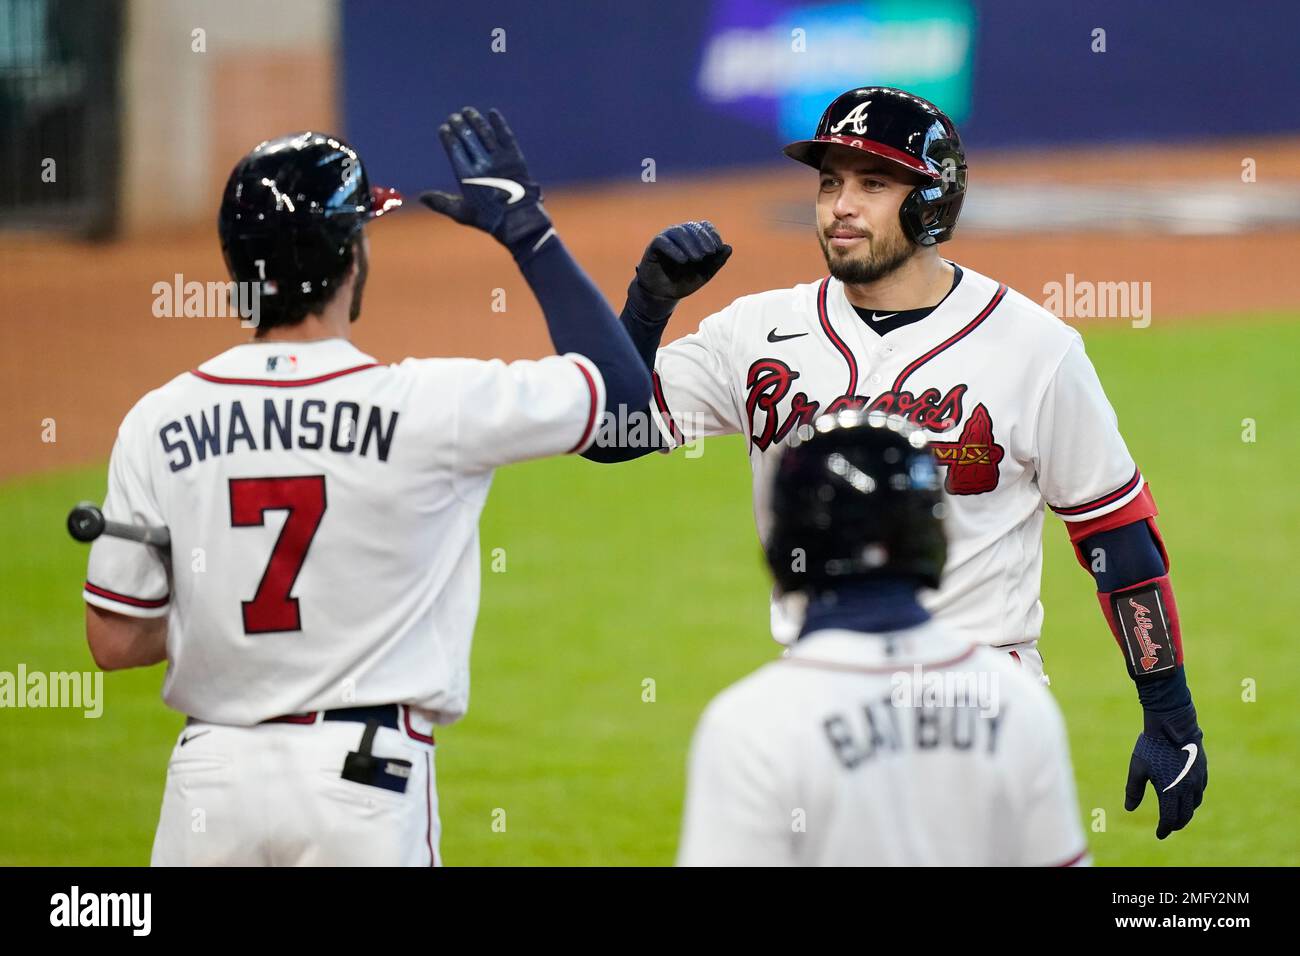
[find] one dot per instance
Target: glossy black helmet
(290, 212)
(910, 131)
(856, 494)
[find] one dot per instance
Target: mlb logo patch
(283, 364)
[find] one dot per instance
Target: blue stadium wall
(594, 88)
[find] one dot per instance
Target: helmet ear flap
(929, 213)
(912, 216)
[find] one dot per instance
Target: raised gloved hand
(681, 260)
(1170, 755)
(497, 193)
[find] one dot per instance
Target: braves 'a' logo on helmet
(857, 116)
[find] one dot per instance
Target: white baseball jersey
(913, 748)
(323, 511)
(1012, 405)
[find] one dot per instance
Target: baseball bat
(86, 523)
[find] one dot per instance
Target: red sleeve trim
(1141, 508)
(585, 440)
(674, 432)
(126, 598)
(1104, 500)
(1074, 860)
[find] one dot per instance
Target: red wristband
(1144, 620)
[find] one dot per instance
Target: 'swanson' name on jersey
(314, 425)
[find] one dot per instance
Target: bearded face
(857, 215)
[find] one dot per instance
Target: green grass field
(619, 574)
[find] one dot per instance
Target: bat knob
(86, 521)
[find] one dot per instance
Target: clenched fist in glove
(678, 262)
(681, 260)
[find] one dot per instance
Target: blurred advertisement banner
(779, 64)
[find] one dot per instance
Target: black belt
(386, 715)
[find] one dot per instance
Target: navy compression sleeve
(580, 320)
(644, 317)
(1131, 557)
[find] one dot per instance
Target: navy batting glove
(1170, 755)
(497, 193)
(681, 260)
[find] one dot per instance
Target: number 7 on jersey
(272, 609)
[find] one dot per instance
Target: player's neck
(921, 282)
(873, 606)
(333, 323)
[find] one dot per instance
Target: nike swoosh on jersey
(773, 337)
(1192, 750)
(515, 190)
(185, 740)
(877, 318)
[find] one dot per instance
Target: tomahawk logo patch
(972, 459)
(1141, 618)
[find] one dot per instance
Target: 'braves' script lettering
(972, 460)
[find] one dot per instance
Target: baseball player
(882, 738)
(1017, 417)
(317, 601)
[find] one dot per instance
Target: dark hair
(288, 308)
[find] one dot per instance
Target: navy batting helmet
(910, 131)
(856, 495)
(291, 210)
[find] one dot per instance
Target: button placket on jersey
(879, 358)
(874, 356)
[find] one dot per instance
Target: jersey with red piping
(323, 511)
(1004, 389)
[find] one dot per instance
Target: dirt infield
(81, 343)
